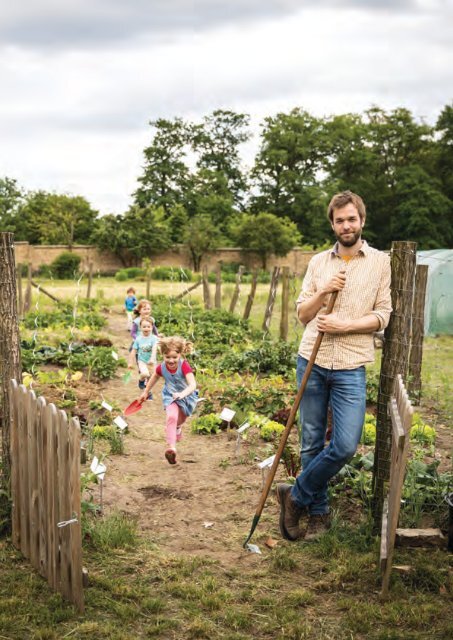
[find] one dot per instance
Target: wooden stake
(235, 297)
(271, 299)
(206, 292)
(27, 298)
(90, 279)
(285, 304)
(248, 306)
(218, 286)
(414, 382)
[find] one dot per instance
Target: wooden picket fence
(45, 487)
(401, 412)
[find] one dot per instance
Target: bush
(177, 274)
(131, 273)
(66, 265)
(369, 430)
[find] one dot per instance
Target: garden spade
(289, 424)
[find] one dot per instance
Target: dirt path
(174, 503)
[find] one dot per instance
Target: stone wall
(106, 262)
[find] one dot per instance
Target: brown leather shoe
(290, 513)
(318, 524)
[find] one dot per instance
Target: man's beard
(350, 241)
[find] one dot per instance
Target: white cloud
(76, 120)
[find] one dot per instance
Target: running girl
(179, 392)
(142, 310)
(144, 349)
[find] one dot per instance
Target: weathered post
(90, 279)
(414, 374)
(27, 298)
(271, 299)
(285, 304)
(395, 355)
(218, 286)
(206, 292)
(251, 296)
(10, 365)
(235, 297)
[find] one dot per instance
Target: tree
(11, 201)
(165, 176)
(211, 197)
(51, 218)
(201, 236)
(287, 168)
(422, 212)
(139, 233)
(444, 150)
(266, 234)
(217, 140)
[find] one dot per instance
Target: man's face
(347, 225)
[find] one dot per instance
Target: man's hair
(340, 200)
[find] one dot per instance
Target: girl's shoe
(170, 454)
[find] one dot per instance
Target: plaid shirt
(367, 290)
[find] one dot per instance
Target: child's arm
(149, 385)
(134, 330)
(191, 386)
(132, 358)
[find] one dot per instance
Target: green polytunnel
(439, 291)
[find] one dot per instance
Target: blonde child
(179, 393)
(144, 349)
(142, 310)
(129, 305)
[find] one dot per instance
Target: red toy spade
(134, 406)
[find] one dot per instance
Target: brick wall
(107, 262)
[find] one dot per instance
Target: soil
(202, 505)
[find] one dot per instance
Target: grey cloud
(50, 24)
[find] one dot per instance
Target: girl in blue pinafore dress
(179, 392)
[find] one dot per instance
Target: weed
(114, 531)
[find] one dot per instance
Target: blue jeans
(345, 391)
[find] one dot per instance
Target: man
(361, 275)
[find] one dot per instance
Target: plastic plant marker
(227, 414)
(127, 376)
(267, 462)
(106, 405)
(120, 423)
(114, 355)
(253, 548)
(243, 427)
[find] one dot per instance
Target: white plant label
(114, 355)
(227, 414)
(267, 462)
(98, 468)
(106, 405)
(120, 422)
(243, 427)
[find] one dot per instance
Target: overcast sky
(81, 79)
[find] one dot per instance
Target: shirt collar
(363, 249)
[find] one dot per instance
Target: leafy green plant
(207, 424)
(424, 492)
(422, 432)
(369, 430)
(372, 385)
(130, 273)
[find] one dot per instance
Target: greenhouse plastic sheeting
(439, 291)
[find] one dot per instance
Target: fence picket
(45, 486)
(32, 420)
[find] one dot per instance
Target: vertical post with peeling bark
(285, 304)
(10, 364)
(27, 298)
(20, 301)
(206, 292)
(395, 356)
(414, 377)
(90, 279)
(218, 286)
(235, 297)
(251, 296)
(271, 299)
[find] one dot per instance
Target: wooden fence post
(206, 292)
(27, 298)
(251, 296)
(235, 297)
(414, 374)
(395, 356)
(10, 364)
(188, 290)
(90, 279)
(218, 286)
(285, 304)
(271, 299)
